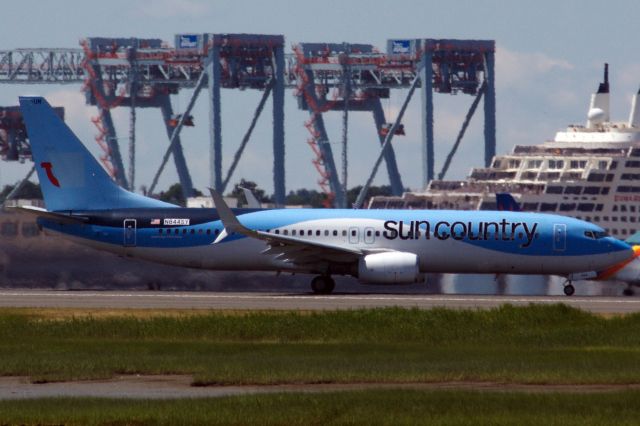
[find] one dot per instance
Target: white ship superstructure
(591, 172)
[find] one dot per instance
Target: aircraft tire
(322, 284)
(628, 291)
(569, 290)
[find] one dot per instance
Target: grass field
(361, 407)
(535, 344)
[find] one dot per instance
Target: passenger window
(317, 233)
(160, 231)
(344, 232)
(193, 231)
(217, 231)
(353, 233)
(277, 231)
(368, 233)
(293, 232)
(285, 232)
(335, 233)
(208, 231)
(326, 232)
(378, 233)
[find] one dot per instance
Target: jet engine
(394, 267)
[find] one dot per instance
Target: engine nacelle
(395, 267)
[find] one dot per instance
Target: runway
(299, 301)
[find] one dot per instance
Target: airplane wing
(56, 216)
(295, 250)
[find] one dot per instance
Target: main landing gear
(628, 291)
(323, 284)
(569, 289)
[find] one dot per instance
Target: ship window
(635, 153)
(566, 207)
(595, 177)
(556, 164)
(573, 190)
(29, 229)
(602, 165)
(534, 164)
(513, 163)
(605, 190)
(496, 164)
(529, 207)
(630, 176)
(578, 164)
(609, 177)
(614, 165)
(554, 190)
(529, 175)
(624, 188)
(548, 207)
(592, 190)
(633, 163)
(586, 207)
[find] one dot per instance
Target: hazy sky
(549, 59)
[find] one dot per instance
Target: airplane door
(354, 235)
(129, 228)
(559, 237)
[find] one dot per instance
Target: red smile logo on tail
(48, 167)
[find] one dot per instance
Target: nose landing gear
(569, 289)
(322, 284)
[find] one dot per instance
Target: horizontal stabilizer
(56, 216)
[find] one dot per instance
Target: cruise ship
(591, 172)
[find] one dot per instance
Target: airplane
(375, 246)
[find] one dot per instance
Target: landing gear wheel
(323, 284)
(628, 291)
(569, 290)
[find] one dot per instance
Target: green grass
(535, 344)
(378, 407)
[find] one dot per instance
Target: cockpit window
(589, 234)
(596, 234)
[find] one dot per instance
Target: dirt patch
(180, 386)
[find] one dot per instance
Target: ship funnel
(634, 117)
(599, 107)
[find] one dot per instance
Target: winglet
(229, 220)
(252, 200)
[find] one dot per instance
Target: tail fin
(506, 202)
(70, 177)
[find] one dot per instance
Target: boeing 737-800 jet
(376, 246)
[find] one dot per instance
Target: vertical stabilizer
(634, 116)
(70, 177)
(599, 106)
